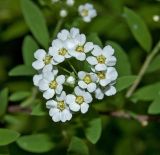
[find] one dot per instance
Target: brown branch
(143, 119)
(18, 109)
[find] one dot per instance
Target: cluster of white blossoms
(54, 84)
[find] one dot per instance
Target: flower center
(79, 100)
(87, 79)
(62, 52)
(84, 12)
(61, 105)
(101, 59)
(80, 48)
(53, 84)
(47, 59)
(101, 75)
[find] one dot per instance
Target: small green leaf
(138, 29)
(154, 108)
(29, 47)
(147, 93)
(155, 65)
(124, 82)
(78, 146)
(123, 65)
(22, 70)
(38, 109)
(38, 143)
(8, 136)
(3, 101)
(36, 22)
(93, 37)
(20, 95)
(93, 131)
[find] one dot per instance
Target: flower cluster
(98, 82)
(86, 11)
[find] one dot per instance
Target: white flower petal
(80, 56)
(78, 91)
(97, 50)
(92, 60)
(62, 96)
(99, 94)
(43, 84)
(108, 51)
(40, 54)
(53, 111)
(81, 74)
(100, 67)
(48, 68)
(88, 47)
(48, 94)
(84, 108)
(88, 97)
(111, 61)
(38, 64)
(70, 99)
(60, 79)
(51, 104)
(59, 89)
(104, 82)
(74, 107)
(91, 87)
(56, 117)
(82, 84)
(36, 79)
(111, 91)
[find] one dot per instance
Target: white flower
(87, 12)
(43, 59)
(51, 84)
(102, 58)
(87, 81)
(59, 110)
(63, 13)
(106, 77)
(48, 68)
(70, 2)
(71, 80)
(110, 90)
(81, 47)
(79, 101)
(59, 51)
(68, 37)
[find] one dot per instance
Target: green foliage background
(26, 128)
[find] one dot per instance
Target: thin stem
(67, 71)
(58, 27)
(143, 70)
(72, 67)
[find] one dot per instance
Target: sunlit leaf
(18, 96)
(29, 47)
(123, 65)
(8, 136)
(154, 108)
(124, 82)
(138, 29)
(36, 22)
(37, 143)
(147, 93)
(78, 146)
(155, 65)
(93, 131)
(22, 70)
(3, 101)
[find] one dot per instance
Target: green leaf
(3, 101)
(38, 109)
(8, 136)
(93, 131)
(155, 65)
(37, 143)
(123, 65)
(22, 70)
(154, 108)
(29, 47)
(147, 93)
(93, 37)
(138, 29)
(36, 22)
(77, 146)
(124, 82)
(20, 95)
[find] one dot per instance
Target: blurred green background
(119, 136)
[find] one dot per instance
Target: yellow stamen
(84, 12)
(47, 59)
(87, 79)
(101, 59)
(101, 75)
(79, 100)
(61, 105)
(63, 52)
(53, 84)
(80, 48)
